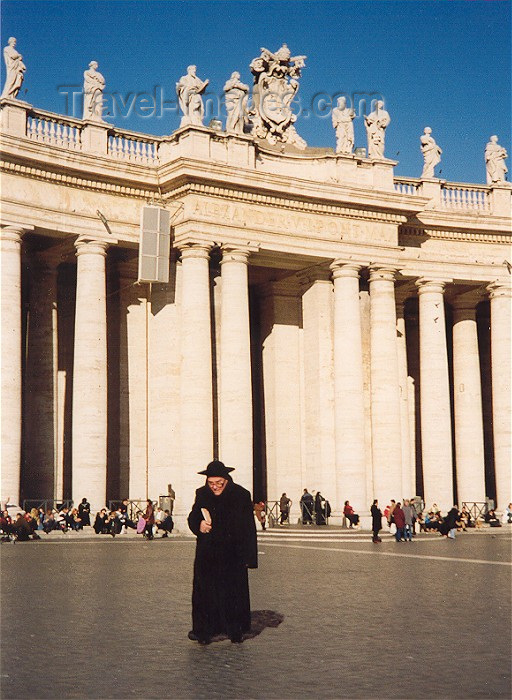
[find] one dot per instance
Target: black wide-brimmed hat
(217, 468)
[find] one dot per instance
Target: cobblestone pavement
(109, 619)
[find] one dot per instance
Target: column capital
(345, 268)
(430, 284)
(86, 244)
(232, 253)
(14, 232)
(382, 272)
(194, 249)
(500, 288)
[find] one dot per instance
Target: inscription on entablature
(291, 222)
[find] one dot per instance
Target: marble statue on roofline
(495, 161)
(275, 86)
(431, 153)
(236, 95)
(342, 121)
(189, 89)
(15, 70)
(376, 124)
(94, 84)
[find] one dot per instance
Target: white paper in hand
(206, 515)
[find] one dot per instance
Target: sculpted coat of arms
(275, 86)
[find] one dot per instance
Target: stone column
(235, 390)
(40, 476)
(436, 428)
(500, 294)
(89, 428)
(317, 332)
(10, 241)
(196, 420)
(385, 390)
(348, 388)
(408, 470)
(467, 399)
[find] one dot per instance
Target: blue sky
(439, 63)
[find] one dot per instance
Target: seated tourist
(508, 514)
(113, 523)
(348, 512)
(50, 523)
(22, 528)
(100, 523)
(431, 521)
(166, 524)
(492, 519)
(76, 520)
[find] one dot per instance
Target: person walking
(399, 518)
(223, 522)
(306, 508)
(409, 515)
(376, 520)
(284, 509)
(149, 517)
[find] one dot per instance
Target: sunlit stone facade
(326, 325)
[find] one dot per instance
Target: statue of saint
(342, 118)
(15, 70)
(189, 90)
(495, 161)
(431, 153)
(236, 95)
(94, 84)
(376, 123)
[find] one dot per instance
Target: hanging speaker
(154, 245)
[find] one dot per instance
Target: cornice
(454, 234)
(36, 172)
(234, 195)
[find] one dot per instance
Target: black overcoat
(220, 596)
(376, 518)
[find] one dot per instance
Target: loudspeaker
(154, 245)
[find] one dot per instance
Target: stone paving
(103, 618)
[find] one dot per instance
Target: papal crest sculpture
(275, 85)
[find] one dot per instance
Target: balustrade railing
(406, 185)
(464, 196)
(54, 130)
(132, 148)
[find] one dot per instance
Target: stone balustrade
(456, 195)
(54, 130)
(407, 185)
(135, 148)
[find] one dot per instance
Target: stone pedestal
(196, 404)
(385, 391)
(89, 438)
(10, 241)
(467, 397)
(348, 388)
(235, 385)
(13, 118)
(500, 293)
(436, 429)
(94, 137)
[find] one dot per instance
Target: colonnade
(391, 464)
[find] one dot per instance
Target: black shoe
(165, 534)
(237, 638)
(204, 640)
(192, 636)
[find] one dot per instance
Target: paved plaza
(334, 617)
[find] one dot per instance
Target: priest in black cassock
(222, 519)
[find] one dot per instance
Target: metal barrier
(135, 507)
(273, 513)
(46, 503)
(477, 509)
